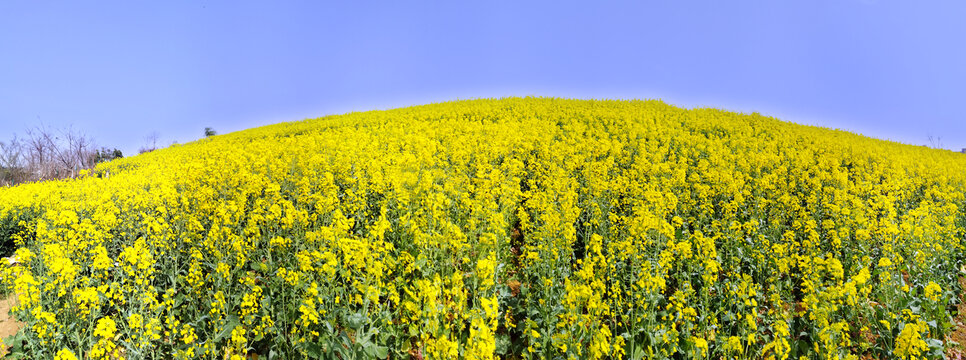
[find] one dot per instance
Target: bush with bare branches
(47, 153)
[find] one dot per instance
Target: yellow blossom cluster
(533, 228)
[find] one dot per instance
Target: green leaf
(376, 351)
(15, 342)
(314, 351)
(638, 353)
(502, 344)
(355, 320)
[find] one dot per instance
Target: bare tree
(11, 162)
(51, 154)
(41, 151)
(46, 153)
(151, 143)
(75, 152)
(11, 153)
(935, 142)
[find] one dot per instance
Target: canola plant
(517, 228)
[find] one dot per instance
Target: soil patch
(8, 324)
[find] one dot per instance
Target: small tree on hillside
(105, 154)
(209, 132)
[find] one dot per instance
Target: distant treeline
(46, 153)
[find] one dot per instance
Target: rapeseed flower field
(517, 228)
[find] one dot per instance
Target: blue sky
(122, 70)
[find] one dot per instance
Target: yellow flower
(701, 345)
(733, 345)
(106, 328)
(65, 354)
(933, 291)
(135, 321)
(238, 335)
(188, 334)
(909, 343)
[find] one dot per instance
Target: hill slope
(534, 228)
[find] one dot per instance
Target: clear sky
(121, 70)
